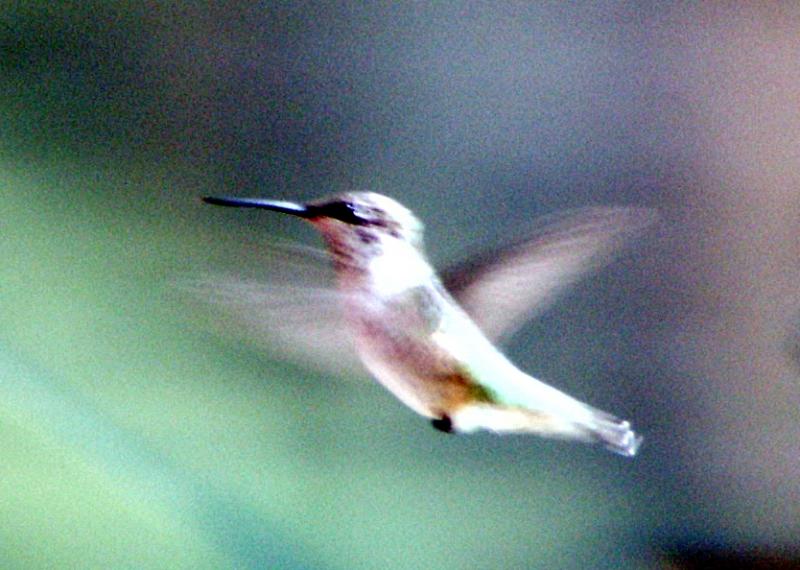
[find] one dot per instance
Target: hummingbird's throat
(372, 258)
(353, 251)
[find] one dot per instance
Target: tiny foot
(444, 424)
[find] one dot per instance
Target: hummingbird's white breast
(397, 268)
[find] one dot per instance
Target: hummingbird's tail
(584, 423)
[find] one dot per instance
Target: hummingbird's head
(357, 226)
(366, 217)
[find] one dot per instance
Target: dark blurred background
(133, 435)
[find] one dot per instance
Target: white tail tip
(617, 436)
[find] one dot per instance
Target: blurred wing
(503, 289)
(292, 310)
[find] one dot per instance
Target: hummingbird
(431, 338)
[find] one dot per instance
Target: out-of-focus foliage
(134, 436)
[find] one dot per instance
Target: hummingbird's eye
(346, 212)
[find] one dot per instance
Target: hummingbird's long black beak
(275, 205)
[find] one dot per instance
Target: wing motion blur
(291, 307)
(288, 305)
(503, 289)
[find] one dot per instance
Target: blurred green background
(135, 436)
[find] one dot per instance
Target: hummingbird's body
(416, 340)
